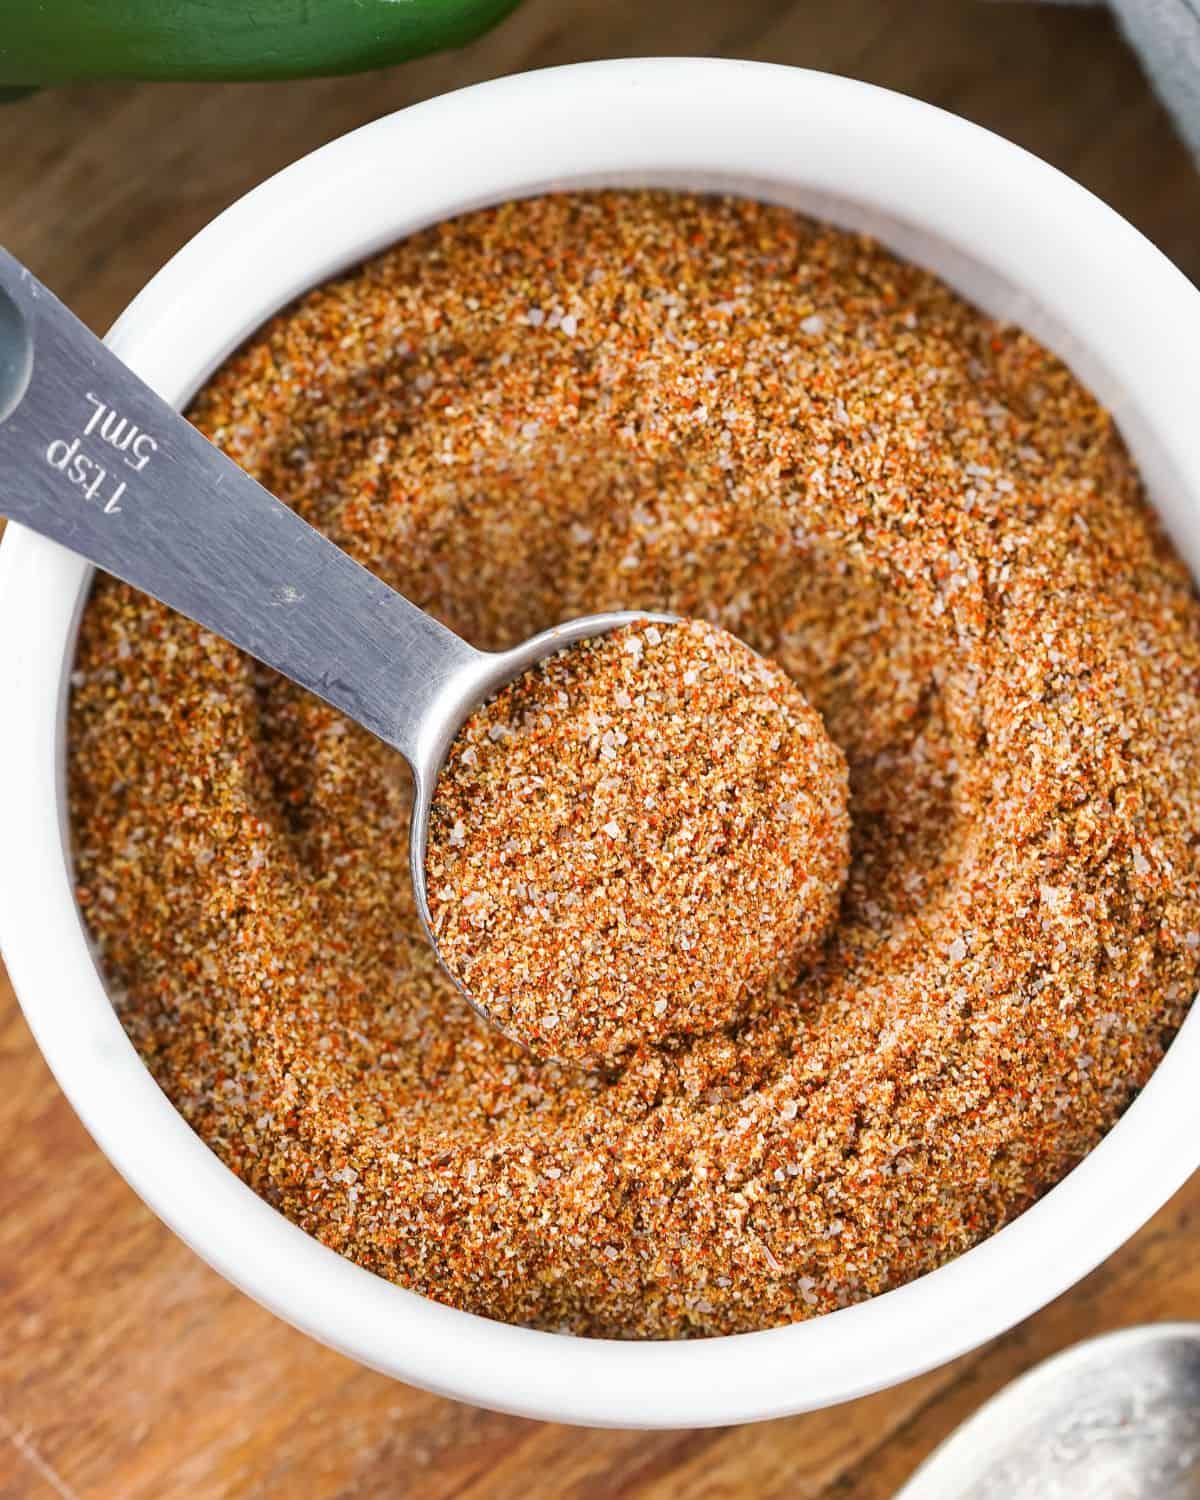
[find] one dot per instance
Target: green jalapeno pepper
(59, 40)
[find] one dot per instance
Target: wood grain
(128, 1370)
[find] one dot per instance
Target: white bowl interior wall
(1008, 231)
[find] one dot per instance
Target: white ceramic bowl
(1008, 230)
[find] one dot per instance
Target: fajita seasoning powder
(720, 410)
(631, 842)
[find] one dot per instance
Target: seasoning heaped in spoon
(633, 838)
(95, 460)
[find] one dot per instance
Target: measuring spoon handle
(91, 457)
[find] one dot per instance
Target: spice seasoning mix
(632, 841)
(718, 409)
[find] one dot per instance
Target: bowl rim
(1118, 305)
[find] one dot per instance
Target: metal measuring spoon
(93, 459)
(1115, 1418)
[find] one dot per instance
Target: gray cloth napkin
(1167, 34)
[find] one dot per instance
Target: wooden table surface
(128, 1370)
